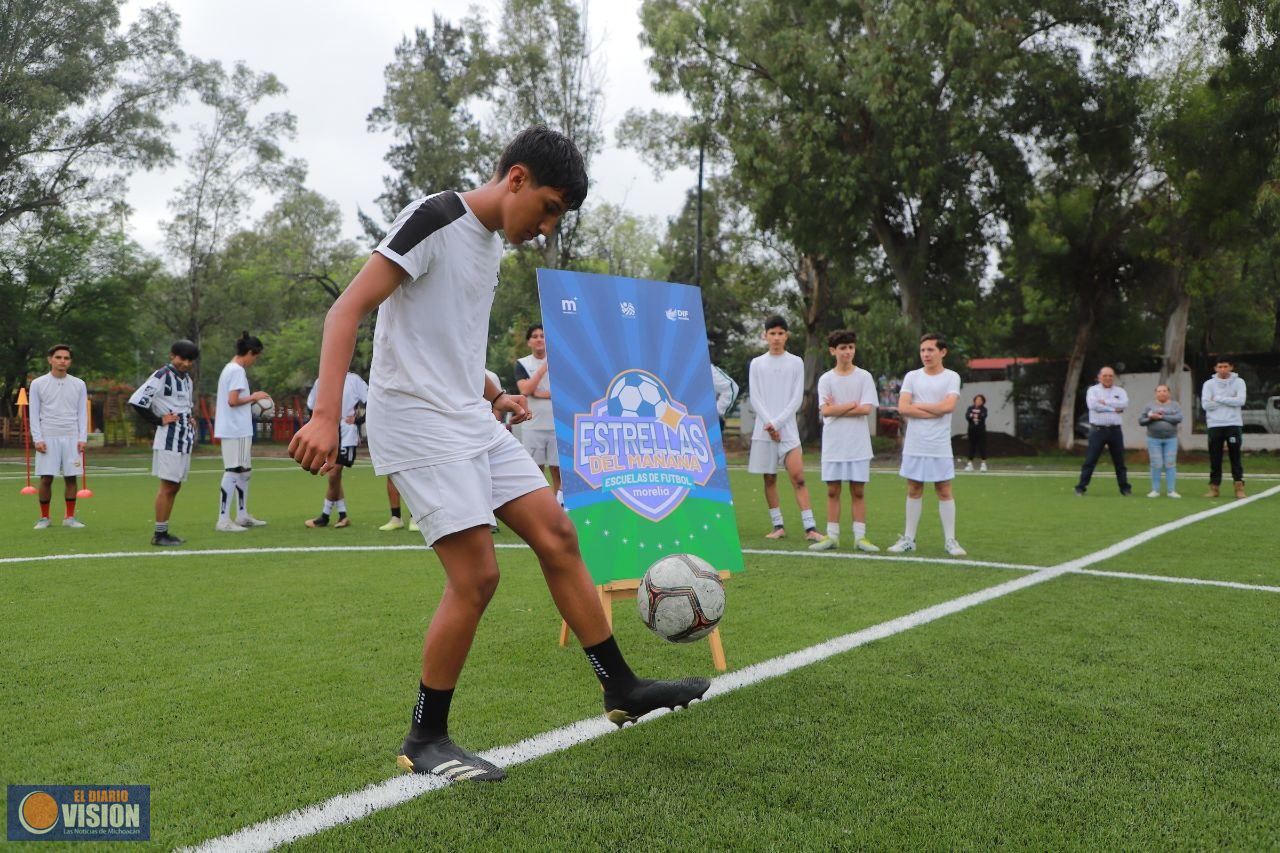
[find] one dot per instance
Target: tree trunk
(815, 283)
(1175, 333)
(1075, 367)
(906, 263)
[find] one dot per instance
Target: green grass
(1084, 712)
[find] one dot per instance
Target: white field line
(1171, 579)
(99, 473)
(392, 792)
(1024, 471)
(947, 561)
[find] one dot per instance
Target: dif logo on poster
(79, 812)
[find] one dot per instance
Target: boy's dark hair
(1222, 359)
(553, 160)
(776, 322)
(185, 349)
(977, 397)
(57, 347)
(248, 343)
(842, 336)
(937, 339)
(535, 327)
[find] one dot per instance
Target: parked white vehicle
(1266, 419)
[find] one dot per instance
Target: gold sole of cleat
(620, 718)
(404, 763)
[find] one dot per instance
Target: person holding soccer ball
(233, 426)
(431, 428)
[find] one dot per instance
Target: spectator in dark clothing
(976, 418)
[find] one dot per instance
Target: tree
(81, 100)
(234, 154)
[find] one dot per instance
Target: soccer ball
(636, 394)
(262, 408)
(681, 598)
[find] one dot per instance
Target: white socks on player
(328, 507)
(914, 507)
(806, 518)
(833, 529)
(228, 489)
(340, 505)
(775, 515)
(859, 531)
(947, 512)
(242, 490)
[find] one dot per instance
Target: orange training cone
(84, 467)
(28, 489)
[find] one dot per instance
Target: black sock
(611, 669)
(341, 515)
(324, 517)
(431, 714)
(395, 512)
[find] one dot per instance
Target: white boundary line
(347, 808)
(1171, 579)
(946, 561)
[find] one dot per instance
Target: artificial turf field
(1083, 711)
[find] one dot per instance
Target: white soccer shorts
(846, 471)
(767, 455)
(60, 458)
(462, 494)
(170, 465)
(237, 452)
(927, 469)
(541, 444)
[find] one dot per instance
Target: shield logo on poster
(642, 445)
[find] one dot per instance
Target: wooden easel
(614, 590)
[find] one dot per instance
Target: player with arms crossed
(847, 400)
(355, 394)
(431, 428)
(928, 398)
(165, 401)
(59, 428)
(539, 433)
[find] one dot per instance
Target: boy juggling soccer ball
(165, 401)
(928, 398)
(59, 429)
(847, 400)
(431, 428)
(777, 386)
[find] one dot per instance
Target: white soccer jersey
(929, 436)
(539, 406)
(58, 408)
(165, 391)
(233, 421)
(777, 387)
(426, 403)
(354, 393)
(847, 438)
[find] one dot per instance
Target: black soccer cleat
(629, 705)
(442, 757)
(166, 539)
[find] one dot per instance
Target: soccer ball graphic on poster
(263, 408)
(635, 394)
(681, 598)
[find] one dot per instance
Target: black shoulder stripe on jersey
(432, 215)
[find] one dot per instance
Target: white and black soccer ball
(681, 598)
(636, 394)
(263, 408)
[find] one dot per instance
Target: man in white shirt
(164, 400)
(538, 434)
(59, 427)
(431, 427)
(233, 427)
(1106, 402)
(847, 401)
(355, 393)
(927, 400)
(777, 386)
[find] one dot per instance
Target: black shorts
(347, 456)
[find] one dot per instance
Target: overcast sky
(331, 55)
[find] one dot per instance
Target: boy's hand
(315, 446)
(168, 418)
(515, 405)
(41, 447)
(258, 395)
(773, 432)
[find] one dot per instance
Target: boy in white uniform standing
(431, 428)
(233, 426)
(928, 398)
(538, 435)
(847, 401)
(777, 386)
(59, 427)
(355, 393)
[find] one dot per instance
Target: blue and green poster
(641, 455)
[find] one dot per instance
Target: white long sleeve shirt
(1106, 404)
(1222, 400)
(59, 408)
(777, 388)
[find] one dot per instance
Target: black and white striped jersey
(167, 391)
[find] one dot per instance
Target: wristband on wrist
(497, 397)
